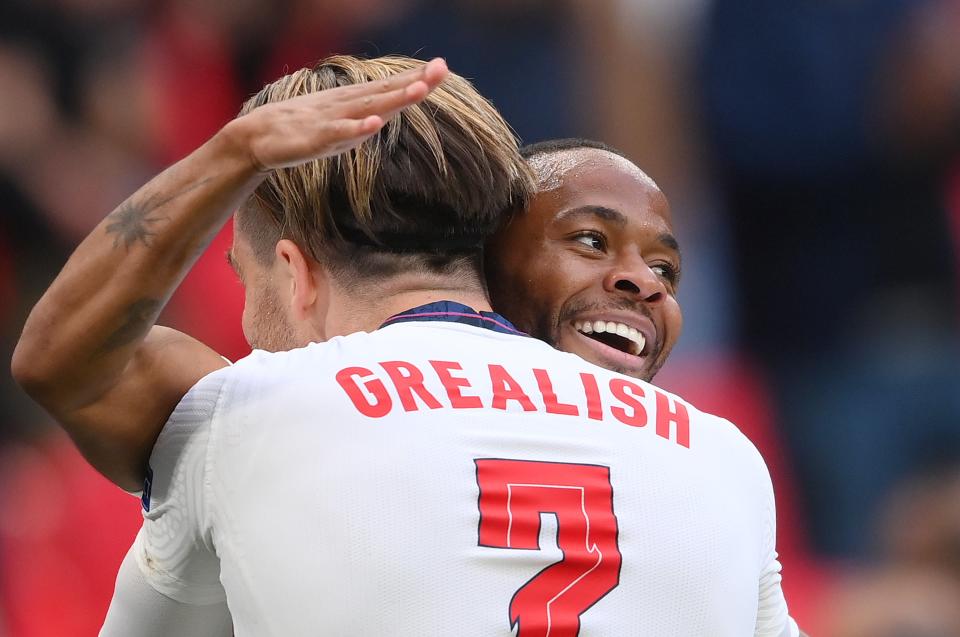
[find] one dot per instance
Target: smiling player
(406, 462)
(591, 266)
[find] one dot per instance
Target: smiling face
(592, 266)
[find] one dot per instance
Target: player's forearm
(87, 326)
(82, 352)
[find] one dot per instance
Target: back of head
(424, 193)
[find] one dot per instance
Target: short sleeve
(174, 547)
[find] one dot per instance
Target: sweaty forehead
(588, 177)
(553, 169)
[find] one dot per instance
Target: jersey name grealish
(439, 477)
(619, 402)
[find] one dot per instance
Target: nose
(633, 278)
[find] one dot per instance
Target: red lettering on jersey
(409, 381)
(592, 390)
(628, 392)
(677, 415)
(550, 402)
(505, 388)
(348, 376)
(513, 495)
(453, 384)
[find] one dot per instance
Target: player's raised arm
(84, 354)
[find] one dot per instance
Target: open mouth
(613, 334)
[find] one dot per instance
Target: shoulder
(734, 442)
(729, 435)
(183, 440)
(261, 362)
(717, 438)
(199, 403)
(748, 471)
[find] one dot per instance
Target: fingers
(369, 125)
(386, 104)
(333, 121)
(381, 97)
(431, 73)
(435, 71)
(349, 133)
(313, 139)
(347, 130)
(364, 113)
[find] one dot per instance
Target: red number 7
(513, 494)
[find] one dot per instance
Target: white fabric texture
(139, 609)
(339, 489)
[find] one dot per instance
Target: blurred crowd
(811, 153)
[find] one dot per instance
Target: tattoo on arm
(139, 317)
(131, 221)
(130, 224)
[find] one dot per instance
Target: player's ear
(302, 275)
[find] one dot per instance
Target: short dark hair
(551, 146)
(425, 192)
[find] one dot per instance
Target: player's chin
(573, 341)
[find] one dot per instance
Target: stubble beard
(550, 332)
(272, 329)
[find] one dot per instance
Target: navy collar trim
(453, 312)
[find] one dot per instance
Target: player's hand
(333, 121)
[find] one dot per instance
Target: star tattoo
(131, 224)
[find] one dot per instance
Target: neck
(351, 312)
(403, 302)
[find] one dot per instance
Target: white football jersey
(437, 478)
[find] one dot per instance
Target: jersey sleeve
(139, 609)
(773, 619)
(174, 549)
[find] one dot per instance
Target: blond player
(422, 467)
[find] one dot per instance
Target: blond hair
(437, 180)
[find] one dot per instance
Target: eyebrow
(607, 214)
(670, 241)
(616, 217)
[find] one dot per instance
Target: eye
(667, 272)
(591, 239)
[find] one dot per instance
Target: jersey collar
(453, 312)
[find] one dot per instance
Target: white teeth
(638, 341)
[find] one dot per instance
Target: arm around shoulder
(84, 353)
(169, 582)
(83, 339)
(116, 432)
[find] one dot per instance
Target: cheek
(564, 275)
(673, 319)
(531, 286)
(555, 293)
